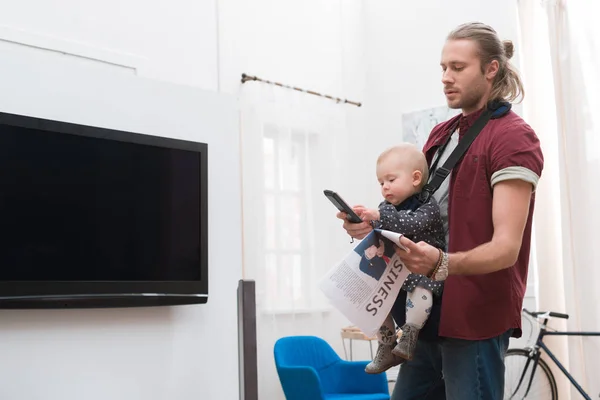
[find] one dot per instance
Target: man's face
(465, 85)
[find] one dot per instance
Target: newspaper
(365, 284)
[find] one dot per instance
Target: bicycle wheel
(543, 385)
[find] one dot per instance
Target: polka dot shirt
(418, 222)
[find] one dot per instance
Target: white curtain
(293, 148)
(561, 60)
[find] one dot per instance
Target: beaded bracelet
(437, 266)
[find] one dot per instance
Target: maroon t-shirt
(483, 306)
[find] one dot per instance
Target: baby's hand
(368, 214)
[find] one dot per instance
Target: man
(487, 202)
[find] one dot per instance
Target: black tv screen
(100, 217)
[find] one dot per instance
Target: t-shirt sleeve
(516, 154)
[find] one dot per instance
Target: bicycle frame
(535, 356)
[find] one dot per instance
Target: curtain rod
(246, 78)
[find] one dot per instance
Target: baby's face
(398, 181)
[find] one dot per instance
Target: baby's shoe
(407, 343)
(384, 359)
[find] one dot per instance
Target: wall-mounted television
(95, 217)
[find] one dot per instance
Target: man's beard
(470, 99)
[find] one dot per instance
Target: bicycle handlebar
(537, 314)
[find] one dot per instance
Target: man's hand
(420, 258)
(357, 231)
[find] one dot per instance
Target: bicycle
(536, 384)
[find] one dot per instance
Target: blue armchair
(309, 369)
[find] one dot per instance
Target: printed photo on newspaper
(365, 283)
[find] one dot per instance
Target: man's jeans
(472, 370)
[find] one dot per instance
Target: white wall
(185, 352)
(175, 41)
(294, 42)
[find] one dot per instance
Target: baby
(402, 172)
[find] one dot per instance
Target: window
(287, 250)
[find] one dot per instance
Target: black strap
(441, 173)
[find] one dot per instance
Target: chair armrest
(300, 383)
(358, 381)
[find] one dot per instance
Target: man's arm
(510, 209)
(516, 163)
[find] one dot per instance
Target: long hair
(507, 83)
